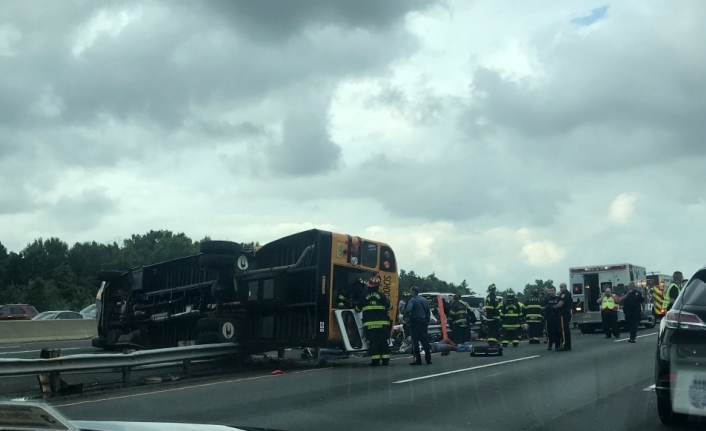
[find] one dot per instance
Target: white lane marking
(639, 336)
(467, 369)
(649, 389)
(9, 347)
(32, 351)
(496, 374)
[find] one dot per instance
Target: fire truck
(657, 283)
(589, 282)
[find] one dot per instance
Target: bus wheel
(220, 247)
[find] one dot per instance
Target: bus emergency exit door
(351, 327)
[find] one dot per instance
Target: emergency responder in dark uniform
(510, 313)
(670, 295)
(376, 323)
(565, 306)
(492, 315)
(533, 316)
(350, 294)
(418, 311)
(458, 319)
(551, 318)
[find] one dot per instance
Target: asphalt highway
(601, 384)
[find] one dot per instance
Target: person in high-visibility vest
(459, 321)
(609, 313)
(376, 324)
(672, 291)
(492, 315)
(511, 312)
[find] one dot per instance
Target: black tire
(666, 414)
(220, 247)
(209, 325)
(500, 353)
(650, 323)
(217, 261)
(109, 275)
(208, 338)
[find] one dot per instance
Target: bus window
(346, 282)
(370, 254)
(387, 259)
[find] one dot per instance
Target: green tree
(431, 283)
(538, 284)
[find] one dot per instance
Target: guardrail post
(127, 371)
(280, 354)
(54, 377)
(187, 367)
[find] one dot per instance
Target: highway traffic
(600, 384)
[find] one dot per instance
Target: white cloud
(622, 208)
(9, 36)
(105, 22)
(542, 254)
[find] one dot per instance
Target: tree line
(52, 275)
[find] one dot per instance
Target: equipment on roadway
(657, 283)
(486, 351)
(281, 295)
(588, 284)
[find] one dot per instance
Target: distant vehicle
(681, 353)
(17, 312)
(58, 315)
(89, 312)
(589, 282)
(657, 283)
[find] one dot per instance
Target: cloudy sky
(488, 141)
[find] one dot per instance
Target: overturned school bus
(296, 291)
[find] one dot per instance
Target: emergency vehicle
(588, 284)
(657, 283)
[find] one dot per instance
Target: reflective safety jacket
(492, 307)
(374, 306)
(533, 309)
(459, 314)
(665, 302)
(511, 314)
(609, 303)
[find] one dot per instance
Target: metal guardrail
(125, 362)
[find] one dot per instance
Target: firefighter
(670, 295)
(458, 317)
(533, 316)
(492, 316)
(511, 312)
(376, 323)
(350, 294)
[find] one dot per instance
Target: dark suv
(17, 312)
(680, 365)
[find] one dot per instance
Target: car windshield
(90, 309)
(695, 290)
(46, 315)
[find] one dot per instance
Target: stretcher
(486, 351)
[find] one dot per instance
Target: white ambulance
(588, 284)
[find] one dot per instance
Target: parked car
(680, 375)
(58, 315)
(17, 312)
(89, 312)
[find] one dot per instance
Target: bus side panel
(324, 313)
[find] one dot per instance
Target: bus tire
(208, 338)
(217, 261)
(109, 275)
(220, 247)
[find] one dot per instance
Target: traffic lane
(632, 409)
(32, 350)
(519, 394)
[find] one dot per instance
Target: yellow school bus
(283, 294)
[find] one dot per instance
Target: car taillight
(672, 320)
(690, 321)
(667, 377)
